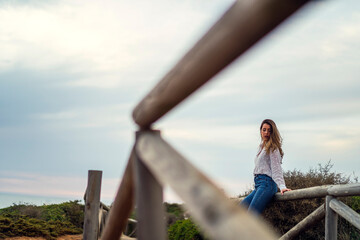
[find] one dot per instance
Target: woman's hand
(284, 190)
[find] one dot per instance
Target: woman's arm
(276, 170)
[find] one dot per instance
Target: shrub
(174, 213)
(11, 226)
(49, 221)
(74, 212)
(174, 209)
(184, 230)
(31, 211)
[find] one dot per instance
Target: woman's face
(265, 132)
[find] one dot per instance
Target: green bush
(11, 226)
(74, 212)
(184, 230)
(174, 213)
(48, 221)
(174, 209)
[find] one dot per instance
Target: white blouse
(270, 164)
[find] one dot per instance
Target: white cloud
(104, 116)
(29, 183)
(58, 115)
(95, 37)
(329, 144)
(199, 130)
(55, 186)
(334, 107)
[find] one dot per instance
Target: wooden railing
(94, 219)
(153, 163)
(329, 210)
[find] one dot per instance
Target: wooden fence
(329, 210)
(92, 204)
(153, 163)
(96, 212)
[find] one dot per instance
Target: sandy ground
(66, 237)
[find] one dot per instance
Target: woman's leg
(266, 189)
(247, 200)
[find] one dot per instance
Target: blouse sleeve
(276, 170)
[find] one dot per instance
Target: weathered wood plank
(132, 224)
(346, 212)
(310, 220)
(220, 218)
(92, 204)
(341, 190)
(123, 204)
(331, 219)
(245, 23)
(149, 202)
(344, 190)
(306, 193)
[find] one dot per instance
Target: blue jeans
(265, 189)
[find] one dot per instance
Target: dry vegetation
(47, 221)
(284, 215)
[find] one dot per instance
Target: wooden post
(149, 202)
(331, 218)
(92, 204)
(346, 212)
(123, 204)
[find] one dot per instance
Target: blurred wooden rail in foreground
(153, 163)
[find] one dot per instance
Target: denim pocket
(262, 181)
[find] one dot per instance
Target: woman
(268, 172)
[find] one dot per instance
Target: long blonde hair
(275, 141)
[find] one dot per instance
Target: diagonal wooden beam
(310, 220)
(123, 204)
(244, 24)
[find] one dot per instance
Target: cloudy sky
(72, 71)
